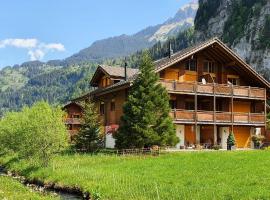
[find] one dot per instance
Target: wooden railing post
(174, 85)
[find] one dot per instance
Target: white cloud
(36, 49)
(55, 46)
(19, 43)
(37, 54)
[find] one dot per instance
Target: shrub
(216, 147)
(230, 141)
(34, 133)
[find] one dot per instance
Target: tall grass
(195, 175)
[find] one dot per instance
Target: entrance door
(242, 136)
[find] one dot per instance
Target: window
(189, 105)
(102, 108)
(76, 116)
(112, 105)
(191, 65)
(116, 81)
(209, 66)
(234, 81)
(173, 104)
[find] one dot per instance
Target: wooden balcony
(214, 89)
(190, 116)
(72, 121)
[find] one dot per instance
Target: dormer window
(191, 65)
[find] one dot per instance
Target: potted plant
(230, 141)
(257, 140)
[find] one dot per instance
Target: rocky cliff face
(242, 24)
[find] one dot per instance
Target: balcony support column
(196, 108)
(215, 126)
(232, 115)
(215, 134)
(265, 110)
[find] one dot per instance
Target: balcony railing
(214, 89)
(73, 121)
(217, 117)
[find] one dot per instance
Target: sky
(56, 29)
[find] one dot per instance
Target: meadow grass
(12, 190)
(185, 175)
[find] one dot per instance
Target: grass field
(13, 190)
(186, 175)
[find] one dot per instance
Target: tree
(146, 121)
(230, 141)
(35, 133)
(89, 138)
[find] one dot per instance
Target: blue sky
(55, 29)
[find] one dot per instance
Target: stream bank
(65, 193)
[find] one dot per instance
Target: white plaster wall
(180, 133)
(224, 131)
(109, 141)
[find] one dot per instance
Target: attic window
(191, 65)
(209, 66)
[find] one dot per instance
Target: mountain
(244, 25)
(57, 81)
(124, 45)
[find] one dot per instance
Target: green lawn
(186, 175)
(13, 190)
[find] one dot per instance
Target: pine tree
(89, 138)
(146, 121)
(230, 141)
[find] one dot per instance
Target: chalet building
(72, 118)
(212, 92)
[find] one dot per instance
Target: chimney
(170, 49)
(125, 70)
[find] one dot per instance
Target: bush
(267, 148)
(34, 133)
(216, 147)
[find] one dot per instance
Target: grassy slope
(196, 175)
(11, 189)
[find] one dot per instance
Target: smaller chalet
(72, 119)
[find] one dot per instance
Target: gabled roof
(215, 44)
(112, 71)
(72, 103)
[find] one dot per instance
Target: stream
(43, 190)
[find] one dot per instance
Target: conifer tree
(146, 121)
(230, 141)
(89, 138)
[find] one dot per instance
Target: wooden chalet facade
(73, 118)
(212, 92)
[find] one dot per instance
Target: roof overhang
(213, 43)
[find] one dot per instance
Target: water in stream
(62, 195)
